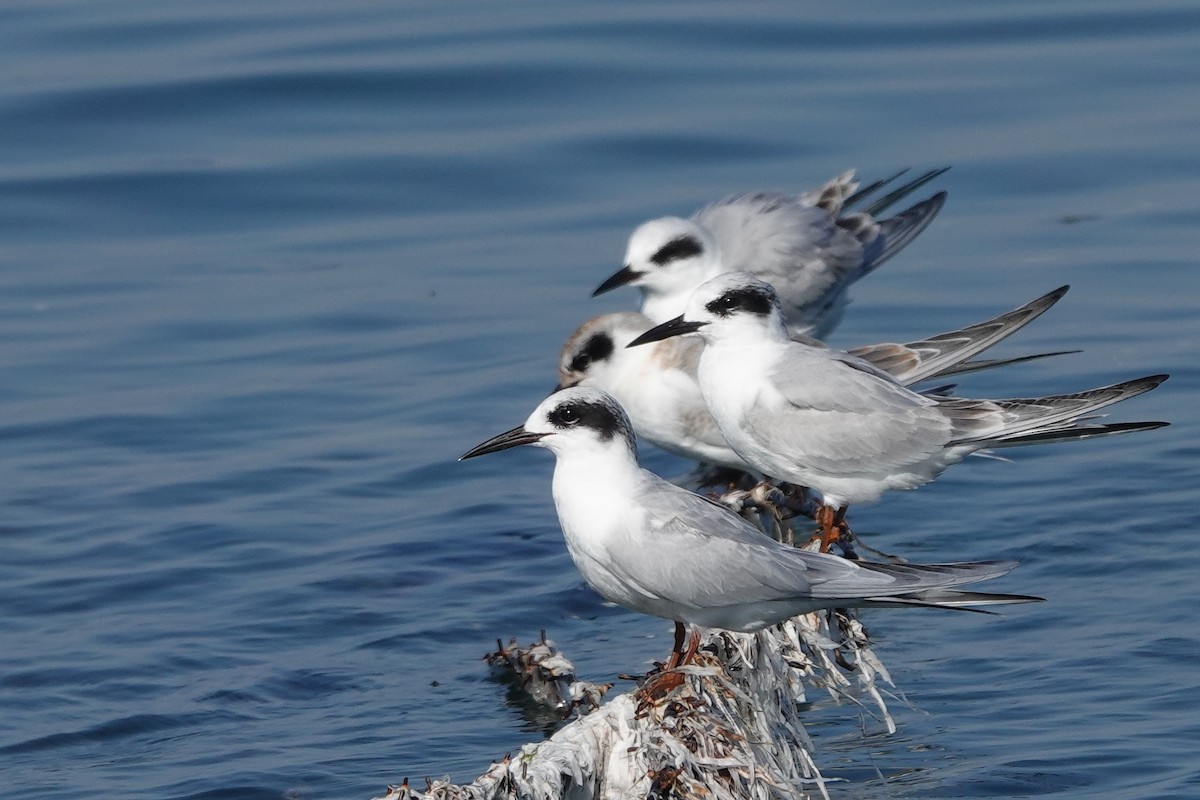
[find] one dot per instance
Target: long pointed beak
(672, 327)
(514, 438)
(619, 278)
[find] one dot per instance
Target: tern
(836, 423)
(655, 548)
(804, 245)
(657, 385)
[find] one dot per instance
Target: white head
(595, 354)
(573, 422)
(667, 258)
(730, 306)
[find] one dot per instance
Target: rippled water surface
(269, 267)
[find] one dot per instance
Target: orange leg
(658, 685)
(677, 650)
(679, 656)
(692, 647)
(831, 526)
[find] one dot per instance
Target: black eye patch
(680, 247)
(577, 413)
(598, 348)
(752, 300)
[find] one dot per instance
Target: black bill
(619, 278)
(514, 438)
(672, 327)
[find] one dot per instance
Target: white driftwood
(728, 726)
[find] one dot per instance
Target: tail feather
(898, 194)
(870, 189)
(1029, 419)
(1077, 432)
(927, 585)
(955, 600)
(912, 578)
(842, 193)
(980, 364)
(895, 233)
(878, 580)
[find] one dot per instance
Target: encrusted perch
(547, 676)
(729, 728)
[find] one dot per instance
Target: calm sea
(267, 268)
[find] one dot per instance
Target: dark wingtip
(624, 275)
(869, 189)
(1142, 385)
(895, 196)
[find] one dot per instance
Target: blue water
(267, 268)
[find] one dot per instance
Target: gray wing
(797, 248)
(945, 353)
(840, 416)
(876, 242)
(884, 239)
(705, 556)
(691, 552)
(809, 254)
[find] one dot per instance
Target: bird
(838, 424)
(658, 388)
(804, 245)
(655, 548)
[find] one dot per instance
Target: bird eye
(598, 348)
(753, 300)
(566, 415)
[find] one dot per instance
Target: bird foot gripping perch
(669, 677)
(778, 504)
(833, 529)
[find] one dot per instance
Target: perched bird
(836, 423)
(652, 547)
(659, 390)
(803, 245)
